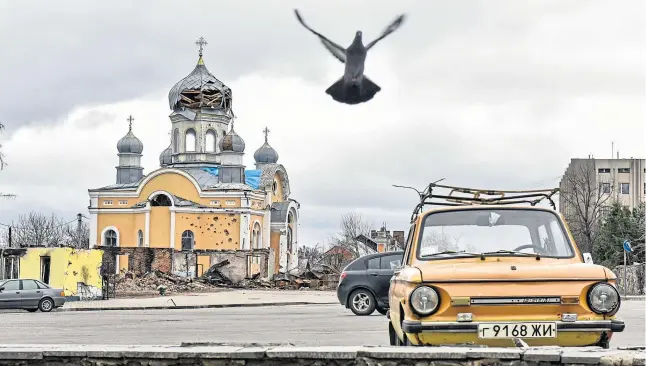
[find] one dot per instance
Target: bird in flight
(354, 87)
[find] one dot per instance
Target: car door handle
(18, 292)
(38, 291)
(374, 274)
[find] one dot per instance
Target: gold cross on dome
(201, 42)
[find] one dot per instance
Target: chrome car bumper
(415, 326)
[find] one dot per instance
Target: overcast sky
(488, 93)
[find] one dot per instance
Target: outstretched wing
(336, 50)
(391, 28)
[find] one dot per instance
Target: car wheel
(362, 302)
(32, 310)
(46, 305)
(381, 311)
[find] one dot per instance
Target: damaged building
(201, 206)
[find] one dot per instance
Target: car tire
(362, 302)
(46, 305)
(32, 310)
(381, 310)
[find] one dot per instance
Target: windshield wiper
(503, 251)
(450, 252)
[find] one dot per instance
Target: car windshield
(493, 232)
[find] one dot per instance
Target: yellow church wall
(275, 245)
(211, 230)
(68, 267)
(126, 224)
(278, 196)
(171, 183)
(159, 227)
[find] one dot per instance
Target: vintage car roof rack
(480, 197)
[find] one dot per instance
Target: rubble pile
(128, 283)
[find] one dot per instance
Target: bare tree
(3, 163)
(583, 197)
(37, 230)
(74, 238)
(352, 225)
(311, 254)
(439, 241)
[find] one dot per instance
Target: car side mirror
(1, 289)
(587, 258)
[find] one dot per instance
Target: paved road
(312, 325)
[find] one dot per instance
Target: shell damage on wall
(215, 231)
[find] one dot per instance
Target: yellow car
(493, 268)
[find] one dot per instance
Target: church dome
(165, 158)
(130, 144)
(266, 154)
(200, 89)
(232, 142)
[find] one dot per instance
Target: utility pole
(78, 230)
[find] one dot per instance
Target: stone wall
(140, 260)
(240, 264)
(319, 356)
(634, 279)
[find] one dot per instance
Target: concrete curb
(182, 307)
(257, 354)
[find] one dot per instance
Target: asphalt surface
(300, 325)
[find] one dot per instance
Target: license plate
(517, 330)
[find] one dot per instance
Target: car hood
(509, 270)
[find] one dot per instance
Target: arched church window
(190, 140)
(110, 238)
(274, 187)
(176, 141)
(210, 141)
(257, 237)
(161, 200)
(140, 238)
(188, 240)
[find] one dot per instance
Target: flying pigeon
(354, 87)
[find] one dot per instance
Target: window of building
(623, 170)
(625, 188)
(605, 188)
(230, 203)
(644, 188)
(274, 187)
(189, 140)
(210, 141)
(140, 238)
(160, 200)
(215, 203)
(176, 141)
(107, 202)
(188, 240)
(604, 170)
(123, 202)
(110, 238)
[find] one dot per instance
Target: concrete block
(207, 352)
(498, 353)
(542, 355)
(322, 353)
(428, 353)
(640, 359)
(20, 354)
(249, 353)
(580, 357)
(64, 353)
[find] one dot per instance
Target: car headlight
(603, 298)
(424, 300)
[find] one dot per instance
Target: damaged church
(201, 206)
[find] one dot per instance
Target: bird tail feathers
(352, 93)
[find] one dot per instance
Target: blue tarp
(252, 178)
(213, 171)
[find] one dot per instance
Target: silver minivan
(30, 295)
